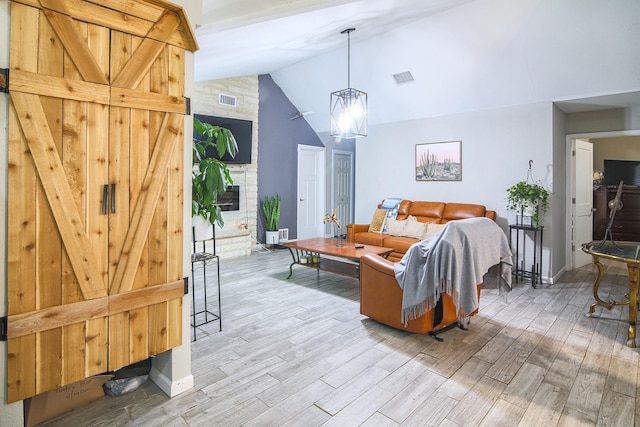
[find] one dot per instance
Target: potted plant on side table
(271, 212)
(528, 199)
(210, 176)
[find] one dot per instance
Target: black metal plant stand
(206, 314)
(535, 273)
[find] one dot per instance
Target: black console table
(535, 273)
(201, 313)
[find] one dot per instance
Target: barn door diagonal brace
(3, 328)
(4, 80)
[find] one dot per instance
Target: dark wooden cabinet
(626, 225)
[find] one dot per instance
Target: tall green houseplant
(271, 212)
(210, 176)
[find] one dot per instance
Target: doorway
(578, 228)
(311, 191)
(342, 187)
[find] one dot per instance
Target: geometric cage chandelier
(348, 108)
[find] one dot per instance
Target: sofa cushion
(367, 238)
(462, 211)
(427, 210)
(378, 220)
(400, 244)
(395, 227)
(414, 228)
(432, 229)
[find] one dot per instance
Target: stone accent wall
(238, 236)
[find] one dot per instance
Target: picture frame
(439, 161)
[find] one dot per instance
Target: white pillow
(414, 228)
(395, 227)
(432, 229)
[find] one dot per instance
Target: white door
(342, 184)
(311, 192)
(583, 205)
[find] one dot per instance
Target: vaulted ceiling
(245, 37)
(464, 54)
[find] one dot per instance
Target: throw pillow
(391, 205)
(414, 228)
(394, 227)
(377, 222)
(432, 229)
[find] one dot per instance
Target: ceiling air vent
(405, 77)
(227, 100)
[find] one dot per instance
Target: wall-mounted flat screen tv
(622, 170)
(242, 131)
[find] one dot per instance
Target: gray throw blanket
(453, 261)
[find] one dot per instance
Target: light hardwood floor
(298, 353)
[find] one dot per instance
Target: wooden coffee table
(348, 254)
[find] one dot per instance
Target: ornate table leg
(633, 307)
(295, 261)
(596, 285)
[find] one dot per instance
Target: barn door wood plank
(21, 262)
(143, 297)
(139, 64)
(76, 48)
(130, 98)
(21, 219)
(145, 206)
(49, 267)
(54, 317)
(51, 173)
(140, 140)
(121, 18)
(175, 203)
(58, 87)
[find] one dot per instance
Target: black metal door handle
(105, 196)
(113, 198)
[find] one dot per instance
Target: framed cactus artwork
(439, 161)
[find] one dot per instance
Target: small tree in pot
(271, 212)
(210, 176)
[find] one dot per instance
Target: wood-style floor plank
(297, 352)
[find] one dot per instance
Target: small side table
(201, 314)
(628, 253)
(535, 273)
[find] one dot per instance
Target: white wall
(496, 149)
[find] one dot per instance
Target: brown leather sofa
(380, 294)
(431, 212)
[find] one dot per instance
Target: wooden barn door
(94, 187)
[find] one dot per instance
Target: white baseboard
(171, 388)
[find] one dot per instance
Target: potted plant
(528, 199)
(271, 212)
(210, 176)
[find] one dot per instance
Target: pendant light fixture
(348, 108)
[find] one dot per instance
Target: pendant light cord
(348, 31)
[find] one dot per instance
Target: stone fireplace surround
(238, 236)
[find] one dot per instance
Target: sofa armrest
(377, 264)
(352, 229)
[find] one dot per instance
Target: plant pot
(272, 238)
(202, 229)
